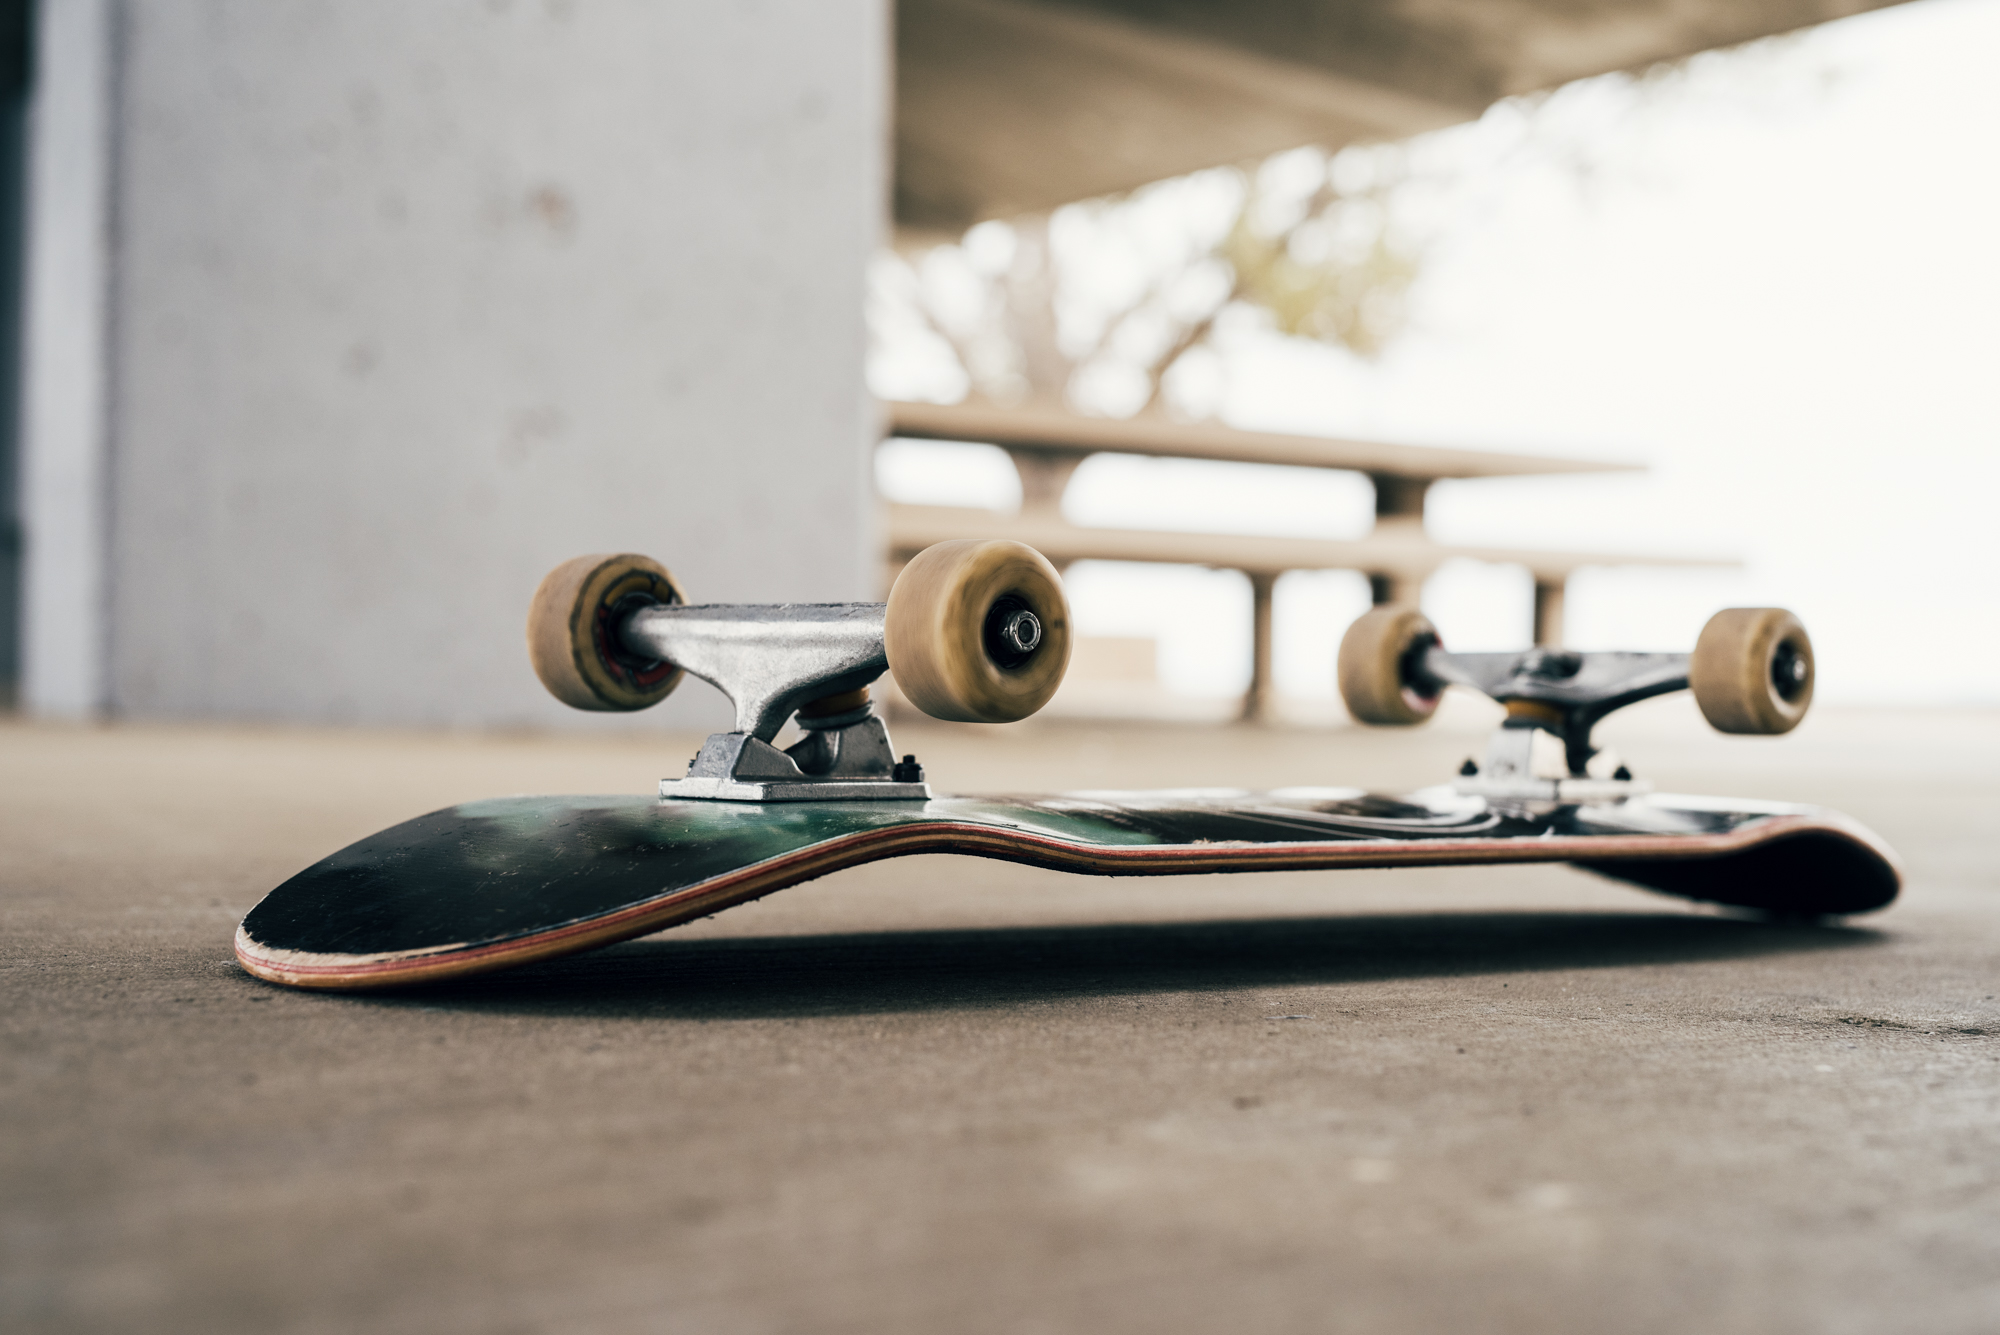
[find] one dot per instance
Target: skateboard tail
(1828, 868)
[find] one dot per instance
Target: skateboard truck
(974, 631)
(1751, 672)
(1554, 698)
(812, 659)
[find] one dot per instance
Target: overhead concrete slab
(1006, 107)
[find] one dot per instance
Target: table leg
(1259, 702)
(1549, 612)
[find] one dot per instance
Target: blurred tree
(1114, 306)
(1097, 305)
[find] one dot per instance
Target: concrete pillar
(410, 303)
(1260, 701)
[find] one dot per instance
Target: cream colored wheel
(570, 633)
(978, 631)
(1752, 670)
(1373, 666)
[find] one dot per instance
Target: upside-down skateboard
(978, 631)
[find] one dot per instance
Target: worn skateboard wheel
(1373, 667)
(570, 633)
(977, 631)
(1752, 670)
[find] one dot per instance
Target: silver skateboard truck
(973, 631)
(1751, 672)
(772, 661)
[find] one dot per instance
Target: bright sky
(1782, 292)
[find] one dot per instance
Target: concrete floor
(946, 1094)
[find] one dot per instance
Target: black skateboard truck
(1751, 672)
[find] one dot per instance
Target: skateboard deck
(488, 885)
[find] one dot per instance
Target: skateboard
(978, 631)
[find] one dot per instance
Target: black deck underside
(486, 872)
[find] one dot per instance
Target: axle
(772, 658)
(769, 659)
(974, 631)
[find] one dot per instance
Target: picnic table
(1047, 445)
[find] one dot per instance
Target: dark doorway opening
(17, 62)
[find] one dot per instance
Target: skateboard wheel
(1752, 670)
(1373, 667)
(570, 633)
(957, 640)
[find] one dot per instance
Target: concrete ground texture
(946, 1094)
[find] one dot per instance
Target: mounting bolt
(1469, 768)
(1550, 664)
(907, 771)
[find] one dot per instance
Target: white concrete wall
(64, 486)
(413, 301)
